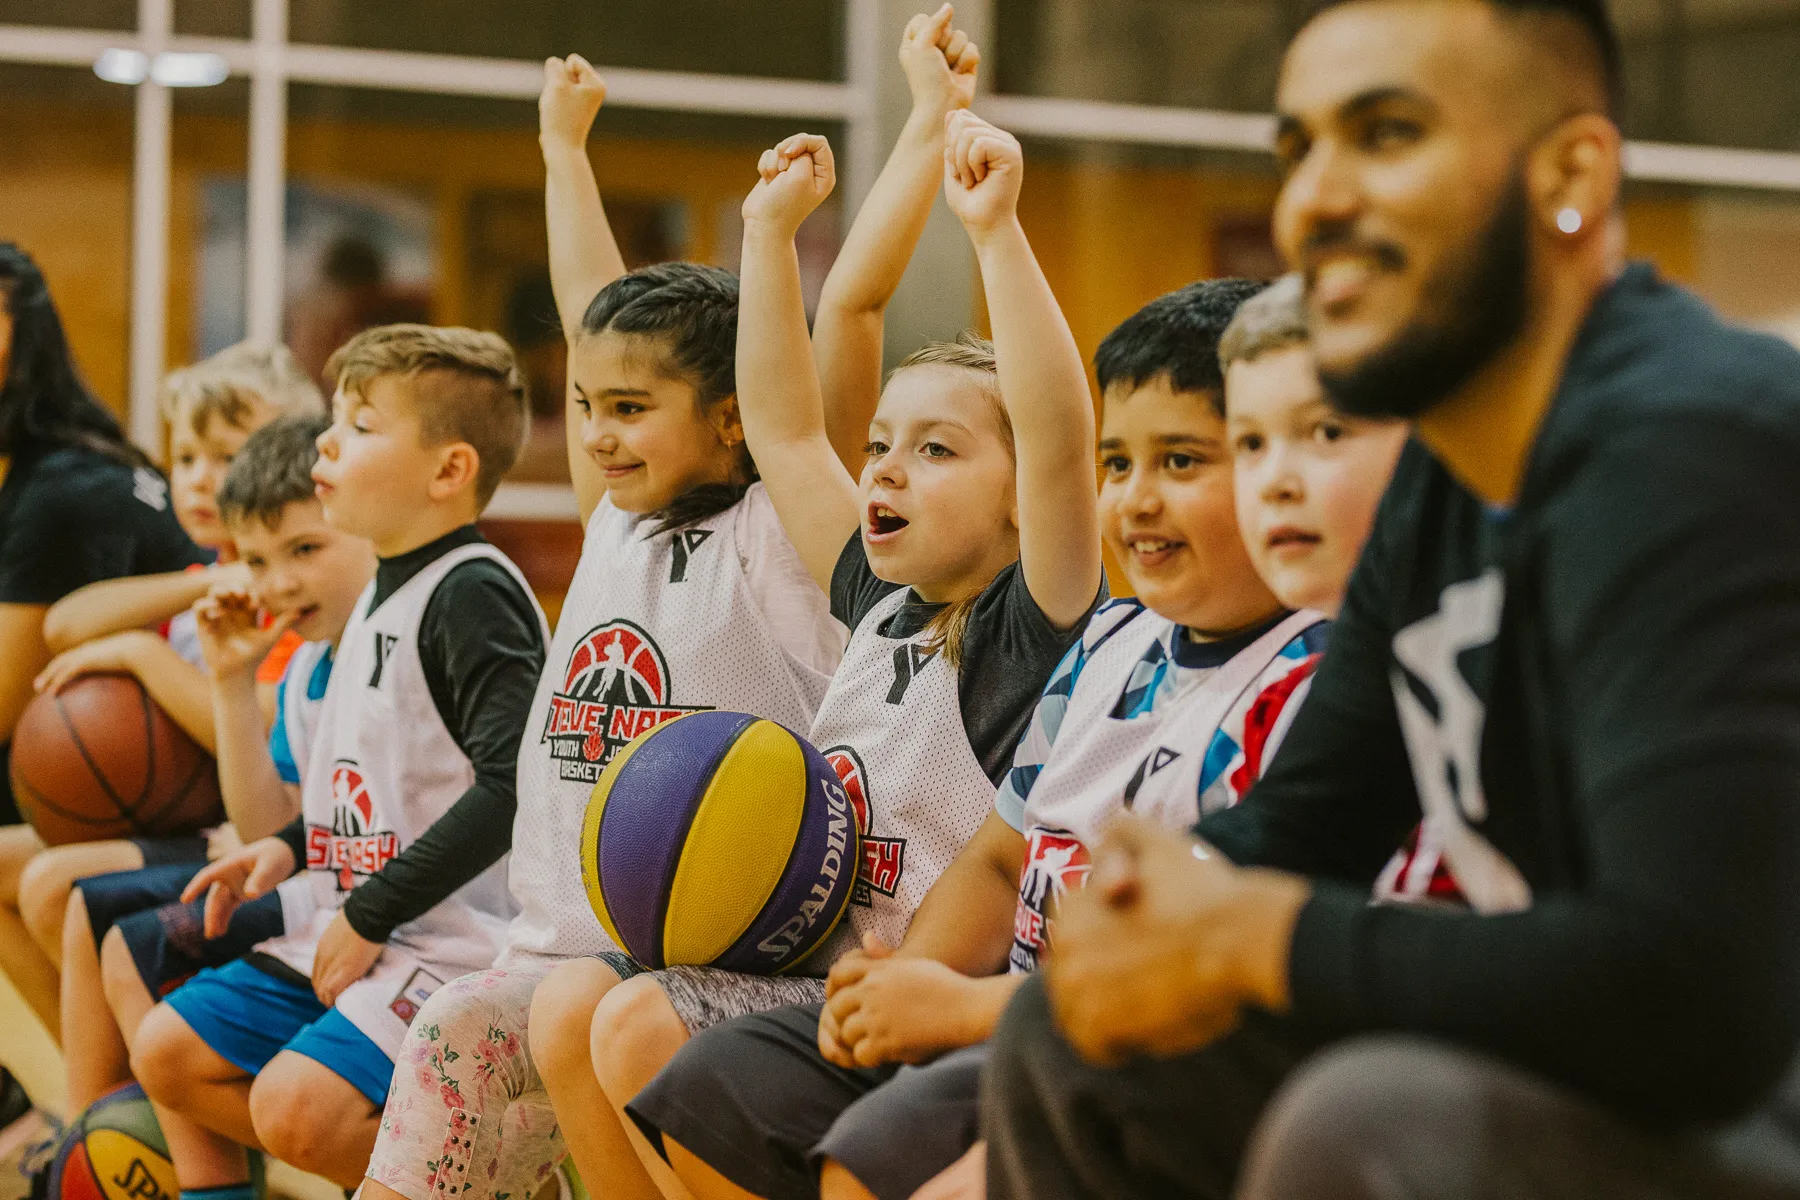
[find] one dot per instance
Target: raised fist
(572, 95)
(983, 166)
(794, 178)
(939, 62)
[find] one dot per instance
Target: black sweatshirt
(481, 649)
(1635, 716)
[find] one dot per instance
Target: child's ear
(459, 465)
(728, 422)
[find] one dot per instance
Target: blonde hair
(1271, 320)
(466, 388)
(233, 383)
(946, 631)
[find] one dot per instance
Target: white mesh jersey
(1102, 764)
(892, 726)
(653, 627)
(381, 770)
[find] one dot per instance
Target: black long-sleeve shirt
(1616, 662)
(481, 650)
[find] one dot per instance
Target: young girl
(966, 560)
(685, 564)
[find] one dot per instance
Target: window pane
(213, 18)
(795, 39)
(1702, 71)
(76, 14)
(1739, 249)
(65, 196)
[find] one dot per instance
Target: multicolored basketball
(114, 1151)
(719, 839)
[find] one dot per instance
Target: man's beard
(1469, 313)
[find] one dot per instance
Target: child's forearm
(1043, 384)
(116, 605)
(178, 687)
(986, 1001)
(584, 256)
(783, 415)
(256, 799)
(847, 330)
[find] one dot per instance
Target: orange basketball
(99, 759)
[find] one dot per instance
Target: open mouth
(884, 521)
(1150, 550)
(306, 614)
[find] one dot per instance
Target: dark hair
(1592, 18)
(272, 471)
(692, 310)
(43, 402)
(1175, 335)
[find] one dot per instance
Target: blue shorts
(248, 1016)
(166, 937)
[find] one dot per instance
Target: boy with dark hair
(127, 939)
(407, 799)
(1142, 711)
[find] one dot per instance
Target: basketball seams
(692, 807)
(106, 785)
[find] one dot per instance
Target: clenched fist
(572, 96)
(983, 167)
(939, 61)
(793, 179)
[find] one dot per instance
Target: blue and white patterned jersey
(1173, 663)
(297, 700)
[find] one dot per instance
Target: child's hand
(572, 95)
(902, 1010)
(795, 178)
(940, 63)
(983, 166)
(116, 654)
(233, 640)
(343, 957)
(240, 876)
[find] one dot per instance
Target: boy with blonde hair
(394, 879)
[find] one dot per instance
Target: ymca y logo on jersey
(686, 542)
(355, 844)
(616, 687)
(1153, 762)
(884, 859)
(1055, 862)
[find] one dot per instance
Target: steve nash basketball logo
(1055, 862)
(883, 858)
(616, 687)
(352, 845)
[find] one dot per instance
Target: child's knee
(19, 844)
(562, 1007)
(300, 1108)
(44, 887)
(164, 1054)
(634, 1033)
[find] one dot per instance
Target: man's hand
(116, 654)
(793, 179)
(237, 877)
(906, 1010)
(233, 638)
(940, 63)
(983, 167)
(1162, 950)
(571, 99)
(343, 957)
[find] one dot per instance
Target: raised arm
(778, 389)
(136, 602)
(256, 798)
(584, 257)
(1043, 381)
(940, 64)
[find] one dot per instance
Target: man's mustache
(1339, 237)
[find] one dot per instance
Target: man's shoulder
(1655, 357)
(73, 483)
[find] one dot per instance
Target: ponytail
(946, 632)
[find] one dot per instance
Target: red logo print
(1055, 863)
(616, 687)
(884, 859)
(353, 845)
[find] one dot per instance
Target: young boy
(141, 626)
(408, 795)
(305, 578)
(1131, 718)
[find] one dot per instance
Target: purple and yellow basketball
(719, 839)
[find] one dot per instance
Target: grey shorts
(756, 1101)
